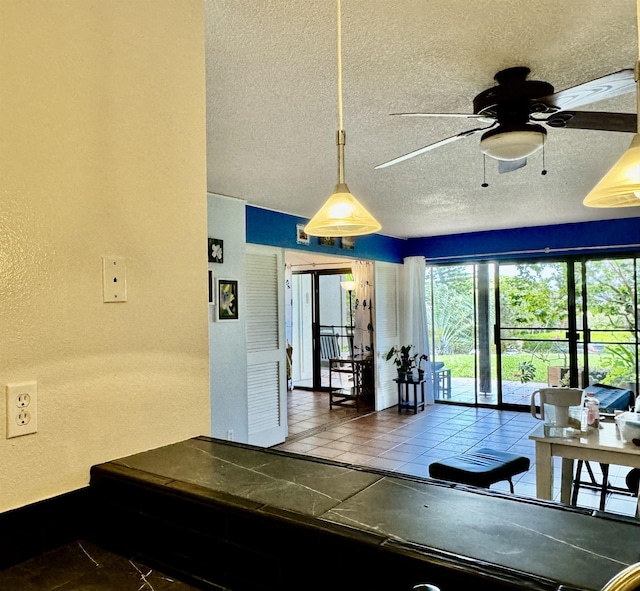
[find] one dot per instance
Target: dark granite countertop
(573, 547)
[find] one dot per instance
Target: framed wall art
(301, 236)
(326, 241)
(227, 299)
(216, 250)
(347, 242)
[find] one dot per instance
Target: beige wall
(102, 152)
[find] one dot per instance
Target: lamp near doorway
(342, 214)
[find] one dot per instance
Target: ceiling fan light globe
(620, 187)
(342, 215)
(513, 143)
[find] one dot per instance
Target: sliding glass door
(499, 331)
(537, 329)
(611, 321)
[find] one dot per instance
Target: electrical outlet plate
(22, 409)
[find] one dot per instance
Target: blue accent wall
(586, 238)
(273, 228)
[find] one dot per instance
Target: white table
(604, 446)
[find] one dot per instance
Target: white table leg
(566, 481)
(544, 470)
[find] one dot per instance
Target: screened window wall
(500, 331)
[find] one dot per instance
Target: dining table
(604, 445)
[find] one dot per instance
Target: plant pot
(421, 374)
(402, 375)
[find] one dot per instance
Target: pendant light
(620, 187)
(342, 214)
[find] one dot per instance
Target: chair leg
(605, 485)
(590, 471)
(576, 483)
(511, 485)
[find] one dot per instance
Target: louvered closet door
(266, 352)
(387, 331)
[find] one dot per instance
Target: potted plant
(403, 359)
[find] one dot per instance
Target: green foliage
(534, 297)
(534, 309)
(526, 371)
(611, 294)
(402, 357)
(620, 360)
(451, 289)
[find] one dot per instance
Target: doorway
(322, 324)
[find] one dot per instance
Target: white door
(387, 331)
(266, 347)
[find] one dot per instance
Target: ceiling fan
(515, 107)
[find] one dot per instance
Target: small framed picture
(227, 299)
(326, 241)
(301, 236)
(347, 242)
(215, 250)
(212, 291)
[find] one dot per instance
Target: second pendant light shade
(620, 187)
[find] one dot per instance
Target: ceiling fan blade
(594, 120)
(599, 89)
(511, 165)
(460, 115)
(432, 146)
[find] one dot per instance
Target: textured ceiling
(272, 106)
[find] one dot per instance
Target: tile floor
(408, 443)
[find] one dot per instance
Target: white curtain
(415, 326)
(363, 317)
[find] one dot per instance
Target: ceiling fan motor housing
(511, 102)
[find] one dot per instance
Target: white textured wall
(102, 152)
(227, 338)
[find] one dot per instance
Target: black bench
(482, 467)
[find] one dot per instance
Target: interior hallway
(408, 443)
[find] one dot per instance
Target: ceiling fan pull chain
(544, 170)
(484, 171)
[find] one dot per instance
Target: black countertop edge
(171, 486)
(116, 469)
(460, 563)
(613, 517)
(202, 494)
(410, 477)
(472, 566)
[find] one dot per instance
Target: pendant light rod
(342, 214)
(340, 136)
(339, 52)
(340, 141)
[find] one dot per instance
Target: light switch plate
(114, 279)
